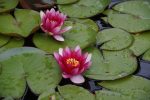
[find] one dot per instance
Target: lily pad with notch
(138, 8)
(146, 55)
(7, 5)
(79, 34)
(12, 43)
(25, 22)
(3, 40)
(141, 43)
(127, 87)
(84, 8)
(114, 39)
(72, 92)
(111, 65)
(19, 65)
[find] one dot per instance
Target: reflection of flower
(73, 63)
(51, 23)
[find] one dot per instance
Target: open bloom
(73, 63)
(52, 22)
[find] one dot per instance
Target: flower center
(72, 61)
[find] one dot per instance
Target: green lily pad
(141, 43)
(7, 5)
(146, 56)
(66, 1)
(80, 34)
(50, 95)
(108, 95)
(127, 86)
(111, 65)
(84, 8)
(128, 22)
(3, 40)
(135, 7)
(12, 43)
(41, 73)
(26, 22)
(12, 78)
(114, 39)
(90, 23)
(72, 92)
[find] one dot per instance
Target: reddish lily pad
(114, 39)
(84, 8)
(72, 92)
(80, 34)
(26, 22)
(111, 65)
(141, 43)
(7, 5)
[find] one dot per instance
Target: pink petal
(77, 48)
(88, 58)
(58, 37)
(42, 14)
(56, 30)
(77, 79)
(65, 29)
(75, 71)
(61, 51)
(64, 75)
(67, 52)
(56, 55)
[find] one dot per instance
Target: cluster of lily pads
(114, 50)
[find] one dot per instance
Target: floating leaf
(90, 23)
(25, 23)
(12, 81)
(80, 34)
(7, 5)
(114, 39)
(12, 43)
(3, 40)
(138, 8)
(111, 65)
(108, 95)
(146, 56)
(19, 64)
(50, 95)
(127, 86)
(128, 22)
(84, 8)
(42, 73)
(72, 92)
(141, 43)
(66, 1)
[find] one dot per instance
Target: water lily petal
(58, 37)
(88, 58)
(65, 29)
(56, 55)
(61, 51)
(77, 79)
(42, 14)
(66, 75)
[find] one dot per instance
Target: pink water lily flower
(52, 22)
(73, 63)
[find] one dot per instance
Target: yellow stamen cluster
(72, 61)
